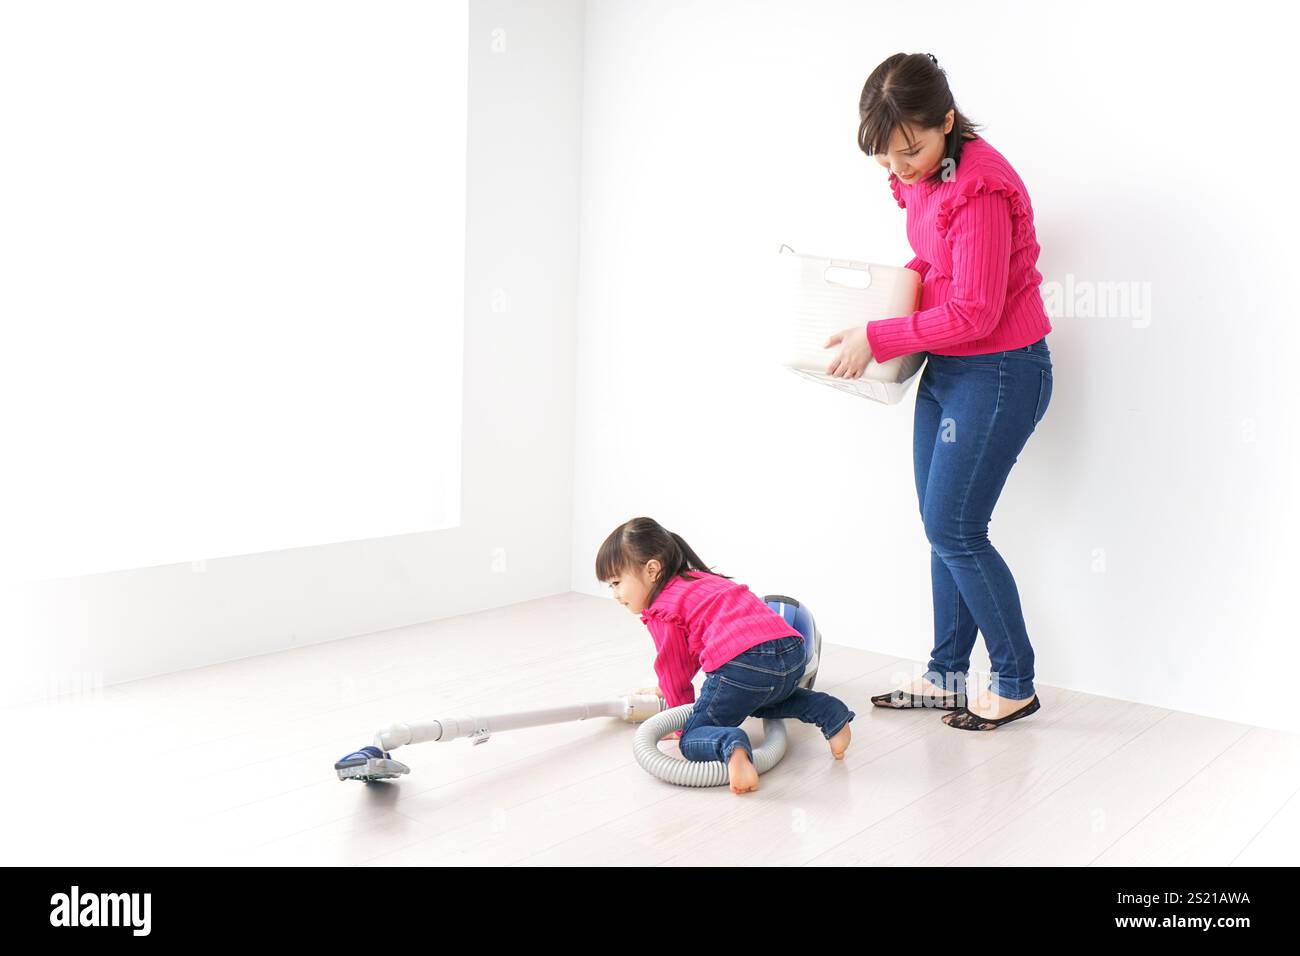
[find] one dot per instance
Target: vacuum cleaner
(375, 762)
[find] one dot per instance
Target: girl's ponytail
(690, 560)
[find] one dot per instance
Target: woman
(987, 380)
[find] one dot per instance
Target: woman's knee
(948, 534)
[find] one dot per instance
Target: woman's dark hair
(909, 88)
(637, 541)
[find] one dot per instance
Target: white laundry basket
(822, 296)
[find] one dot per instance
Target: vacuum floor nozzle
(369, 763)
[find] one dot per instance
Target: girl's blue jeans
(760, 682)
(974, 413)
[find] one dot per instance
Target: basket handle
(846, 269)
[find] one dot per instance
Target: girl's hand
(649, 690)
(854, 354)
(672, 734)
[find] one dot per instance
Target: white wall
(1149, 519)
(520, 303)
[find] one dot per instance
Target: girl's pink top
(705, 623)
(976, 251)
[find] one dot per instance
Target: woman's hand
(854, 354)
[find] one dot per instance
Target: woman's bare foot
(923, 686)
(840, 742)
(930, 695)
(741, 772)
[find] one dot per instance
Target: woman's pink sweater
(976, 251)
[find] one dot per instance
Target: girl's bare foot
(840, 742)
(742, 773)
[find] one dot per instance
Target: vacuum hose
(698, 773)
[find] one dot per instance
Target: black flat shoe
(900, 700)
(963, 719)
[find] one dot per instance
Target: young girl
(751, 657)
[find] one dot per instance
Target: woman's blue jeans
(974, 413)
(760, 682)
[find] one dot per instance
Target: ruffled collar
(666, 604)
(896, 185)
(980, 174)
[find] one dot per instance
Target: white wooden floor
(234, 764)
